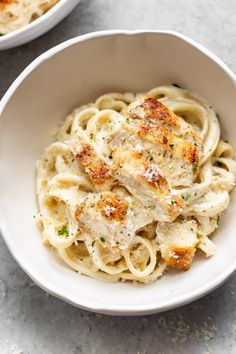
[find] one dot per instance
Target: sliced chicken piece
(141, 215)
(98, 170)
(155, 111)
(108, 216)
(178, 242)
(165, 138)
(146, 183)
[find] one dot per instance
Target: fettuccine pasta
(15, 14)
(134, 184)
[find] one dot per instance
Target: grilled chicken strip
(114, 219)
(98, 170)
(177, 242)
(170, 142)
(146, 183)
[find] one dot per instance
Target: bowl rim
(30, 26)
(82, 302)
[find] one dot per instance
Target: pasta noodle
(15, 14)
(96, 212)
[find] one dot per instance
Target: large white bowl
(76, 72)
(39, 26)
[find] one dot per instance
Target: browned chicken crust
(151, 108)
(97, 169)
(153, 122)
(6, 1)
(112, 206)
(181, 258)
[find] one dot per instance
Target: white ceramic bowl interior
(74, 73)
(39, 26)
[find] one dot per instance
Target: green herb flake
(172, 201)
(102, 239)
(91, 136)
(151, 158)
(186, 196)
(63, 231)
(171, 145)
(191, 229)
(218, 219)
(226, 141)
(127, 120)
(93, 243)
(195, 166)
(110, 156)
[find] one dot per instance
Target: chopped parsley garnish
(176, 85)
(218, 219)
(34, 216)
(91, 136)
(63, 231)
(195, 166)
(186, 196)
(117, 242)
(172, 202)
(171, 145)
(102, 239)
(191, 229)
(110, 156)
(127, 120)
(93, 243)
(151, 158)
(226, 141)
(195, 144)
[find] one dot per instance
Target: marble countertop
(33, 322)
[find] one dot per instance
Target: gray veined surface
(31, 322)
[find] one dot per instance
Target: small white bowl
(76, 72)
(38, 27)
